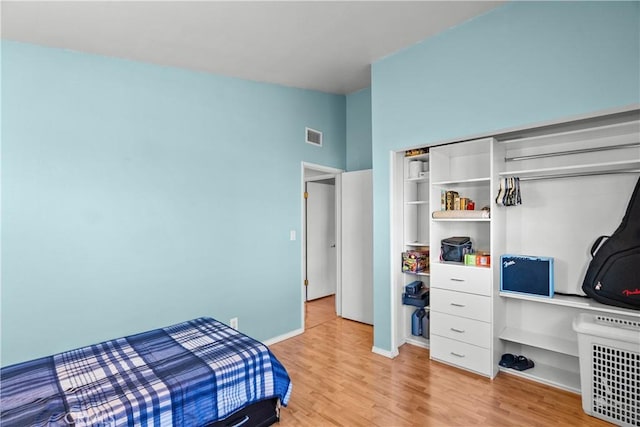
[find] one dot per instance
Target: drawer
(461, 354)
(461, 304)
(455, 277)
(460, 328)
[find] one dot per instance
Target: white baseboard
(385, 353)
(283, 337)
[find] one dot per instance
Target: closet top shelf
(592, 168)
(611, 130)
(471, 181)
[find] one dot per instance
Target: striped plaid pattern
(188, 374)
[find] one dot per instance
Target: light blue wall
(135, 196)
(359, 130)
(522, 63)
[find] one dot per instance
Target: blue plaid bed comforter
(189, 374)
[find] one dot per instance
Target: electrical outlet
(234, 323)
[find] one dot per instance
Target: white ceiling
(321, 45)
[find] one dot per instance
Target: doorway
(321, 249)
(321, 238)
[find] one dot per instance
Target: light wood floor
(338, 381)
(318, 311)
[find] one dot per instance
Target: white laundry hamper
(609, 352)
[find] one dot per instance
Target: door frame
(315, 172)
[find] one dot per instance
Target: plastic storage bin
(609, 353)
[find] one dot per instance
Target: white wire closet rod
(574, 175)
(570, 152)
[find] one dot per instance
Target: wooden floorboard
(319, 311)
(338, 381)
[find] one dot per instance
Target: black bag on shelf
(613, 275)
(455, 248)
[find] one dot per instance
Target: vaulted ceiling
(320, 45)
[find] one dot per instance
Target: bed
(195, 373)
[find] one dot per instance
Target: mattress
(190, 374)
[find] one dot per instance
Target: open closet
(575, 179)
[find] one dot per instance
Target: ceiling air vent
(314, 137)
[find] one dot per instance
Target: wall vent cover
(313, 137)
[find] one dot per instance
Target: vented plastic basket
(609, 351)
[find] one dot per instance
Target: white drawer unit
(468, 356)
(474, 280)
(461, 329)
(461, 304)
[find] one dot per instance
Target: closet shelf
(419, 273)
(593, 168)
(417, 180)
(417, 244)
(548, 342)
(617, 129)
(468, 182)
(550, 375)
(461, 214)
(575, 302)
(461, 219)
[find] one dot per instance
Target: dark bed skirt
(260, 414)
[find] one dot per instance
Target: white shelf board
(575, 302)
(604, 167)
(471, 181)
(616, 129)
(418, 202)
(416, 244)
(550, 375)
(417, 341)
(462, 264)
(461, 219)
(417, 180)
(420, 273)
(547, 342)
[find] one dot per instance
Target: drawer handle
(457, 355)
(456, 280)
(460, 331)
(457, 305)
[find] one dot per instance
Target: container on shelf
(415, 261)
(420, 323)
(415, 167)
(419, 300)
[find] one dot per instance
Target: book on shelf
(451, 196)
(452, 201)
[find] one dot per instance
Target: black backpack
(613, 275)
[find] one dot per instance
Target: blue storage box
(420, 300)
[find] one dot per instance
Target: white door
(321, 240)
(357, 246)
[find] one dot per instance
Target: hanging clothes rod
(574, 175)
(569, 152)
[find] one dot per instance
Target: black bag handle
(596, 245)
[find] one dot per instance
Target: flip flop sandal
(522, 363)
(507, 360)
